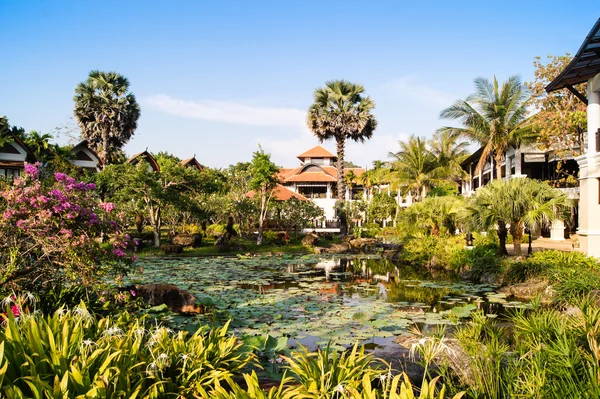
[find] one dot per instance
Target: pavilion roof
(584, 66)
(316, 152)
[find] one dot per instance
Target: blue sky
(216, 78)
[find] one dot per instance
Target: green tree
(494, 116)
(106, 112)
(435, 215)
(381, 207)
(40, 145)
(517, 203)
(264, 181)
(294, 214)
(449, 153)
(341, 112)
(414, 168)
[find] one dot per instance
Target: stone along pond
(314, 300)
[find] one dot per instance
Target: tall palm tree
(341, 112)
(106, 112)
(350, 179)
(414, 168)
(519, 203)
(494, 116)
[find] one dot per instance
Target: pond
(313, 300)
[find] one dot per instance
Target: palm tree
(106, 112)
(413, 168)
(350, 179)
(518, 203)
(39, 144)
(449, 154)
(493, 116)
(341, 112)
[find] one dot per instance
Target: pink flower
(107, 206)
(31, 170)
(132, 292)
(60, 176)
(119, 253)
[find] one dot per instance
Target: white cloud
(228, 112)
(409, 88)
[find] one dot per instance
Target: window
(313, 191)
(512, 165)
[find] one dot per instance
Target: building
(145, 156)
(585, 67)
(86, 158)
(316, 179)
(13, 156)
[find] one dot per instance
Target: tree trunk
(502, 233)
(341, 186)
(516, 231)
(261, 217)
(499, 165)
(104, 148)
(397, 209)
(155, 220)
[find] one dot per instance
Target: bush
(572, 274)
(215, 230)
(55, 234)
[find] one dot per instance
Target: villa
(13, 157)
(585, 67)
(316, 179)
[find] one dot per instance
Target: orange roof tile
(281, 193)
(316, 152)
(311, 177)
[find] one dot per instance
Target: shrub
(55, 234)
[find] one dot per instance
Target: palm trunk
(516, 231)
(499, 159)
(397, 209)
(502, 233)
(261, 217)
(341, 186)
(104, 148)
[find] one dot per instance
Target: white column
(557, 231)
(593, 112)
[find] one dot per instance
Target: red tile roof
(311, 177)
(281, 193)
(316, 152)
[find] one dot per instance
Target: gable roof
(316, 152)
(307, 174)
(584, 66)
(144, 156)
(192, 163)
(281, 193)
(29, 158)
(86, 145)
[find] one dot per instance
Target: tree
(340, 112)
(561, 118)
(106, 112)
(264, 181)
(494, 116)
(414, 168)
(40, 145)
(435, 215)
(449, 154)
(517, 203)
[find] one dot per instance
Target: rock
(310, 239)
(187, 240)
(172, 248)
(389, 246)
(450, 353)
(176, 299)
(338, 248)
(362, 243)
(530, 289)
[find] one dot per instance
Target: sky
(216, 79)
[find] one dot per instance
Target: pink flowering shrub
(55, 235)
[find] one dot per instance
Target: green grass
(239, 246)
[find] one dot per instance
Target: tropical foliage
(513, 205)
(264, 180)
(495, 117)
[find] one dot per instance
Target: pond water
(313, 300)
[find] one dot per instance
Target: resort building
(145, 156)
(585, 68)
(316, 179)
(13, 156)
(86, 158)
